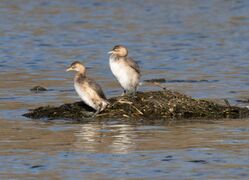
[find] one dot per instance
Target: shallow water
(121, 151)
(200, 48)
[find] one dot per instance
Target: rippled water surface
(200, 47)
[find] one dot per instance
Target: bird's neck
(114, 57)
(80, 76)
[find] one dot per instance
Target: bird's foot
(96, 113)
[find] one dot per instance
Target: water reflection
(122, 151)
(125, 138)
(105, 138)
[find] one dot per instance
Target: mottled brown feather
(96, 87)
(133, 64)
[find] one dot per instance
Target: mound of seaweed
(165, 104)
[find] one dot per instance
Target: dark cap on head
(116, 47)
(75, 62)
(120, 50)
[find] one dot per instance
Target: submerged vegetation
(164, 104)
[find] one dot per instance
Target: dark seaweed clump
(145, 105)
(38, 89)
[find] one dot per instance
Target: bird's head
(77, 67)
(119, 50)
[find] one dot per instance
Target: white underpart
(125, 75)
(85, 96)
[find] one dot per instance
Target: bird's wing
(97, 88)
(133, 64)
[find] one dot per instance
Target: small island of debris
(164, 104)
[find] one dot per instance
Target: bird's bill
(69, 69)
(110, 52)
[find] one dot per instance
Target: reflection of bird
(89, 91)
(125, 69)
(96, 137)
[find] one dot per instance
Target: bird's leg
(132, 93)
(98, 110)
(124, 93)
(96, 113)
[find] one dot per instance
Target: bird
(125, 69)
(88, 90)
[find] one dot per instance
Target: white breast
(120, 72)
(85, 96)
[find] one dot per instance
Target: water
(201, 48)
(119, 151)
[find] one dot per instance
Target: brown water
(200, 47)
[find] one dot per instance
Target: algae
(38, 89)
(151, 105)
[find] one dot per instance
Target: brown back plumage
(133, 64)
(92, 84)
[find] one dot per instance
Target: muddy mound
(145, 105)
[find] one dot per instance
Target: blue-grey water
(201, 48)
